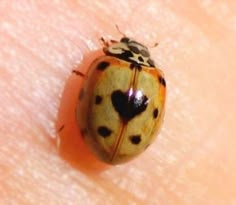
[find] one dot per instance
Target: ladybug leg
(76, 72)
(104, 42)
(113, 41)
(61, 128)
(107, 43)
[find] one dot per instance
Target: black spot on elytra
(162, 81)
(155, 113)
(81, 94)
(135, 139)
(104, 131)
(98, 99)
(129, 104)
(102, 65)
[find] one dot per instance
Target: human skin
(193, 160)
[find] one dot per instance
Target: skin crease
(192, 161)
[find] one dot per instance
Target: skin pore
(192, 161)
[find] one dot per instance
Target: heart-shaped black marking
(129, 104)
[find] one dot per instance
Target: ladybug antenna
(104, 42)
(118, 29)
(154, 45)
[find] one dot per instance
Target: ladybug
(121, 103)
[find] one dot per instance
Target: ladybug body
(121, 104)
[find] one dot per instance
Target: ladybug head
(130, 50)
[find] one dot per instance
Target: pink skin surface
(192, 162)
